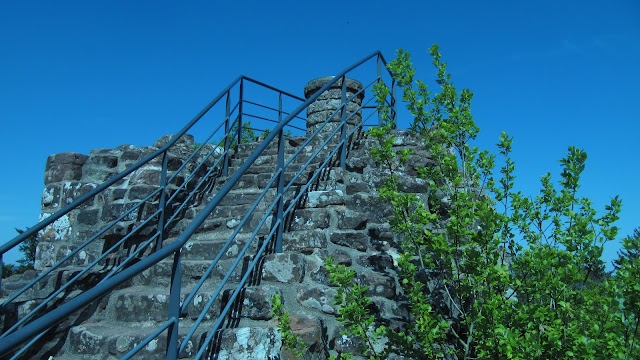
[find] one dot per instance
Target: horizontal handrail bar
(270, 108)
(75, 251)
(58, 214)
(257, 82)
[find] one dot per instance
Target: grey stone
(310, 330)
(284, 268)
(51, 196)
(250, 344)
(106, 160)
(89, 217)
(357, 188)
(146, 175)
(319, 199)
(317, 297)
(256, 304)
(139, 192)
(354, 239)
(379, 285)
(118, 194)
(375, 209)
(64, 167)
(316, 84)
(351, 220)
(377, 262)
(309, 219)
(72, 190)
(305, 241)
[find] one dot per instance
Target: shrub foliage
(489, 272)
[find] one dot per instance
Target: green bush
(489, 272)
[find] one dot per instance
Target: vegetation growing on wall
(488, 271)
(28, 250)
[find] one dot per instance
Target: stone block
(51, 196)
(73, 189)
(378, 262)
(249, 343)
(139, 192)
(310, 330)
(284, 268)
(357, 187)
(379, 285)
(64, 167)
(351, 220)
(88, 217)
(314, 268)
(111, 212)
(375, 209)
(319, 199)
(354, 239)
(107, 160)
(57, 231)
(256, 303)
(146, 175)
(304, 241)
(309, 219)
(317, 297)
(118, 194)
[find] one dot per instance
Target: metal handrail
(112, 180)
(138, 165)
(51, 318)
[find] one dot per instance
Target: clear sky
(79, 75)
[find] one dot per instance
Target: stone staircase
(341, 217)
(128, 315)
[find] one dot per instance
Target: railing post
(379, 77)
(279, 107)
(162, 203)
(174, 306)
(343, 123)
(240, 110)
(280, 193)
(227, 116)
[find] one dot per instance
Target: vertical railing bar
(174, 306)
(343, 122)
(162, 203)
(379, 74)
(227, 116)
(240, 112)
(280, 167)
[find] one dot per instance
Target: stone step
(208, 250)
(144, 304)
(220, 228)
(112, 341)
(192, 271)
(283, 268)
(93, 340)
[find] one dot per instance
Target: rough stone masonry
(342, 217)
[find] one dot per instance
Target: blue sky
(80, 75)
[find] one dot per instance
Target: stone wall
(341, 217)
(71, 175)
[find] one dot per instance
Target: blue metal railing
(334, 146)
